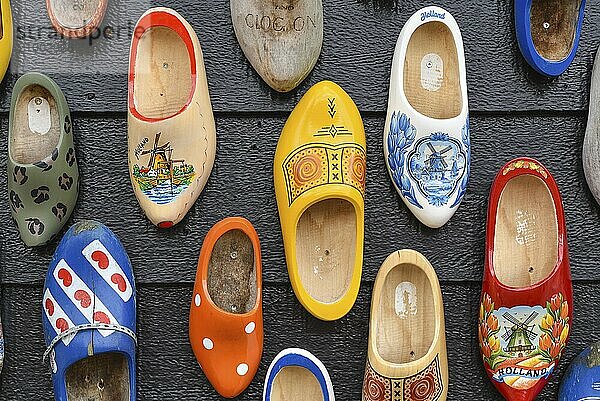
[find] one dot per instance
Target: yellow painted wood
(6, 36)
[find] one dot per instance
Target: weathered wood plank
(241, 184)
(357, 53)
(168, 370)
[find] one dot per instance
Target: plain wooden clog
(226, 323)
(282, 41)
(319, 175)
(171, 128)
(427, 145)
(526, 311)
(407, 340)
(76, 18)
(42, 168)
(297, 375)
(591, 141)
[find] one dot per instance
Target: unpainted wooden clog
(282, 41)
(43, 179)
(548, 33)
(591, 141)
(407, 339)
(426, 139)
(89, 317)
(226, 322)
(76, 18)
(581, 382)
(171, 128)
(319, 173)
(297, 375)
(6, 36)
(526, 311)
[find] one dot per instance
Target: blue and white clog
(581, 382)
(89, 316)
(297, 375)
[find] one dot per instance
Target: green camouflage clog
(43, 179)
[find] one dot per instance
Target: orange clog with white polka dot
(226, 322)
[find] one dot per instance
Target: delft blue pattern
(466, 139)
(400, 139)
(296, 360)
(70, 250)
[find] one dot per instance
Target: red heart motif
(101, 258)
(119, 281)
(62, 324)
(66, 277)
(49, 306)
(84, 298)
(101, 317)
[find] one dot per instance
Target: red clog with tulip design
(526, 308)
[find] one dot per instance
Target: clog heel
(171, 128)
(407, 338)
(228, 295)
(427, 145)
(319, 174)
(297, 375)
(526, 311)
(548, 33)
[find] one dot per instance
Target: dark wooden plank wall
(514, 112)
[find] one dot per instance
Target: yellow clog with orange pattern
(319, 173)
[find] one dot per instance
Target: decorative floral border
(466, 139)
(526, 165)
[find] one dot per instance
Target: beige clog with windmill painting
(282, 40)
(171, 128)
(407, 341)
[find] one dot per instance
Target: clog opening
(232, 273)
(553, 27)
(103, 377)
(431, 72)
(163, 73)
(74, 15)
(326, 248)
(36, 126)
(295, 383)
(526, 236)
(406, 320)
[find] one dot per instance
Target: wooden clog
(171, 128)
(282, 41)
(228, 295)
(319, 173)
(548, 33)
(76, 18)
(43, 179)
(526, 311)
(591, 141)
(427, 146)
(581, 382)
(6, 36)
(407, 339)
(297, 375)
(89, 317)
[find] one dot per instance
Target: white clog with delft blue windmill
(297, 375)
(426, 138)
(89, 317)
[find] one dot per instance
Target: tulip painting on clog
(548, 33)
(526, 311)
(581, 382)
(427, 145)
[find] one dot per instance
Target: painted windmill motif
(436, 163)
(520, 336)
